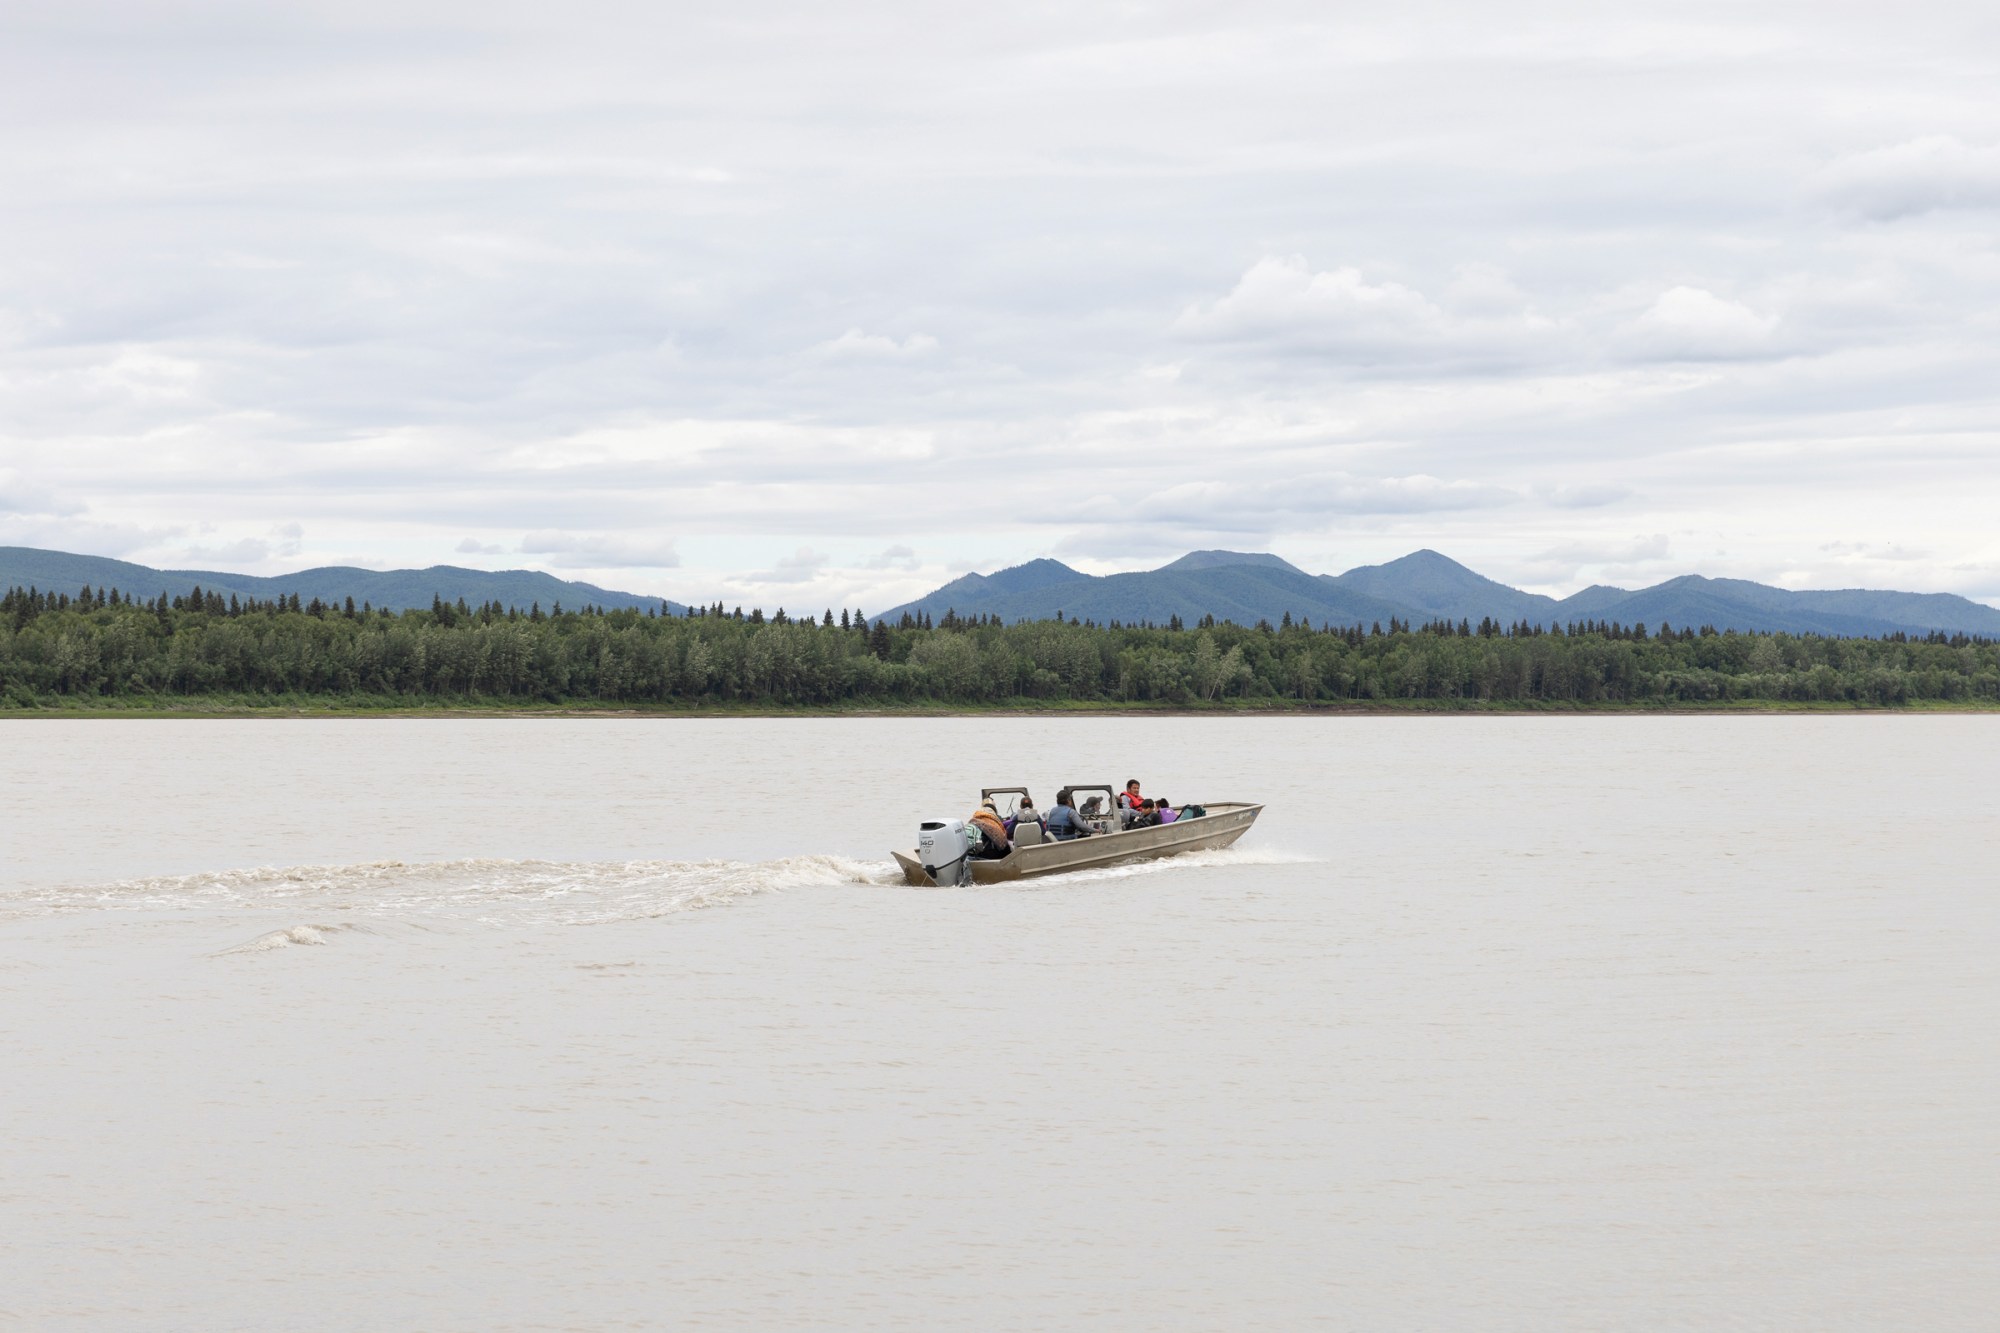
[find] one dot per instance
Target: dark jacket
(1065, 823)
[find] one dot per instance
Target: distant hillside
(1194, 560)
(1033, 577)
(398, 589)
(1243, 591)
(1740, 604)
(1424, 586)
(1438, 588)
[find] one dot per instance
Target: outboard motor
(942, 852)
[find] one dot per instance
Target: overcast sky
(823, 303)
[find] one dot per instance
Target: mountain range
(397, 589)
(1247, 587)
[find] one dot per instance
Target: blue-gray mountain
(1426, 586)
(397, 589)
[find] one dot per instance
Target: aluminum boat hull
(1225, 822)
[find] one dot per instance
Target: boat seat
(1028, 834)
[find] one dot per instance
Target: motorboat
(942, 855)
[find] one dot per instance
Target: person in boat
(1131, 800)
(1025, 813)
(993, 840)
(1064, 822)
(1165, 810)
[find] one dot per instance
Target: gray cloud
(22, 495)
(1936, 171)
(893, 557)
(801, 566)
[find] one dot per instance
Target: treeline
(57, 649)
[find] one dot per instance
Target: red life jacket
(1130, 800)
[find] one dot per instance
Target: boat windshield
(1006, 799)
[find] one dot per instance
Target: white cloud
(1694, 324)
(1873, 551)
(282, 541)
(1636, 551)
(1277, 296)
(1636, 560)
(855, 343)
(473, 546)
(242, 551)
(1583, 496)
(1285, 304)
(568, 550)
(1265, 506)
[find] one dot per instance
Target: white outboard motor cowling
(941, 851)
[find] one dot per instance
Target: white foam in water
(485, 890)
(285, 939)
(536, 892)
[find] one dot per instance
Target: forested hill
(63, 652)
(1247, 587)
(397, 589)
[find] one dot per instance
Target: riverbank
(388, 708)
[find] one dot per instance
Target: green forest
(98, 648)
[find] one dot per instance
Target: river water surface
(1490, 1023)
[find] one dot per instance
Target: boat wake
(486, 891)
(332, 899)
